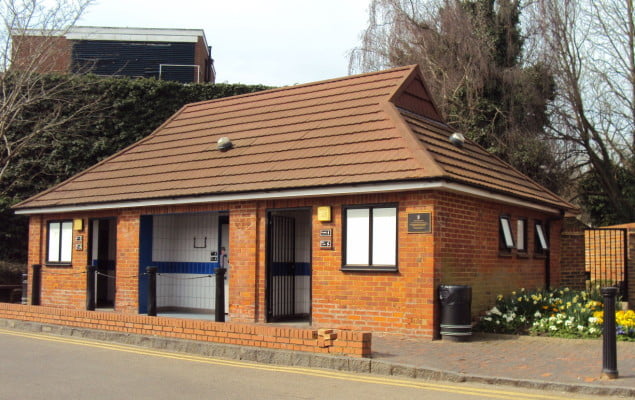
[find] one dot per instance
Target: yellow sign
(324, 213)
(78, 224)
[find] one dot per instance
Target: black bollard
(36, 284)
(219, 308)
(152, 291)
(25, 287)
(90, 287)
(609, 346)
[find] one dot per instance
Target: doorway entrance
(103, 234)
(288, 291)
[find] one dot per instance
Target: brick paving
(551, 360)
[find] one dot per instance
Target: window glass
(541, 239)
(371, 237)
(66, 241)
(54, 241)
(521, 235)
(60, 241)
(506, 233)
(384, 236)
(357, 234)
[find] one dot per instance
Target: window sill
(58, 265)
(522, 255)
(539, 256)
(367, 268)
(505, 254)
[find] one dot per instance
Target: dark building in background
(181, 55)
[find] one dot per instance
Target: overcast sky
(272, 42)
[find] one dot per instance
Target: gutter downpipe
(548, 257)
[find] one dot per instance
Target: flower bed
(560, 312)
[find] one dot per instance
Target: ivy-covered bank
(122, 111)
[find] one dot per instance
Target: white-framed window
(370, 238)
(60, 242)
(521, 235)
(506, 237)
(541, 241)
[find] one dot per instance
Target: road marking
(390, 381)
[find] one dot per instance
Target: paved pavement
(568, 364)
(533, 362)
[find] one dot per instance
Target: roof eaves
(314, 191)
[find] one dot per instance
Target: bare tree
(589, 46)
(471, 55)
(31, 102)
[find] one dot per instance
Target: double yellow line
(389, 381)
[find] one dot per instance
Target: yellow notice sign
(324, 213)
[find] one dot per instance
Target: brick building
(170, 54)
(343, 203)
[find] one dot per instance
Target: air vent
(457, 139)
(224, 144)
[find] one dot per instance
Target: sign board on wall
(420, 222)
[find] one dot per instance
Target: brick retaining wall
(337, 342)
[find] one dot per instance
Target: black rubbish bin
(456, 312)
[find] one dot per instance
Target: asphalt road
(39, 366)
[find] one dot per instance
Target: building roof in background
(135, 34)
(630, 225)
(371, 129)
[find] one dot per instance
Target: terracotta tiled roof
(370, 128)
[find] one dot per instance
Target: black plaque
(419, 223)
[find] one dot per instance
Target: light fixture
(224, 144)
(457, 139)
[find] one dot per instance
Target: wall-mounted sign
(79, 242)
(326, 244)
(324, 213)
(326, 232)
(420, 223)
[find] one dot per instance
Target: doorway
(103, 250)
(288, 291)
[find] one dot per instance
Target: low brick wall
(336, 342)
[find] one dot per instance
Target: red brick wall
(572, 262)
(127, 270)
(349, 343)
(41, 54)
(200, 58)
(467, 248)
(394, 302)
(244, 284)
(462, 249)
(62, 285)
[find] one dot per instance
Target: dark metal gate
(281, 268)
(606, 253)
